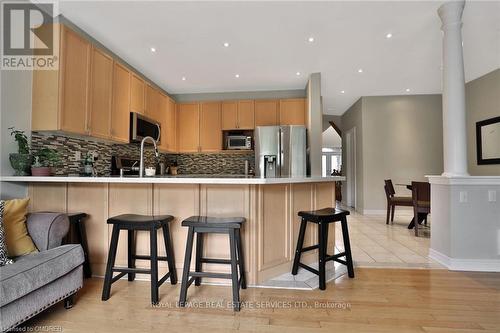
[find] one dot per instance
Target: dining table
(421, 216)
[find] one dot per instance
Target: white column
(454, 126)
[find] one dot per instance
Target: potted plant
(20, 161)
(45, 160)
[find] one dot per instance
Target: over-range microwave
(142, 126)
(239, 142)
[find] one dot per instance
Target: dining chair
(393, 200)
(421, 199)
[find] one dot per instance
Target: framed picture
(488, 141)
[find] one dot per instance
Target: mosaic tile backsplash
(225, 163)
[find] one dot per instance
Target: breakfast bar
(269, 205)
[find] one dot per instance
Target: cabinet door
(188, 127)
(153, 101)
(266, 113)
(293, 111)
(229, 115)
(75, 82)
(210, 127)
(101, 78)
(137, 92)
(246, 114)
(120, 110)
(162, 113)
(171, 125)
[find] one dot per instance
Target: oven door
(141, 127)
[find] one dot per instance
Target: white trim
(471, 265)
(464, 180)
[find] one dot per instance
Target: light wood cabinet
(210, 127)
(168, 119)
(266, 112)
(101, 78)
(152, 109)
(238, 115)
(137, 94)
(292, 111)
(120, 110)
(188, 127)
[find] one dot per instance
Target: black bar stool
(205, 225)
(132, 223)
(323, 217)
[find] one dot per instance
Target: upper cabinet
(120, 108)
(238, 115)
(153, 103)
(168, 127)
(292, 111)
(210, 126)
(188, 127)
(266, 112)
(137, 94)
(60, 98)
(101, 79)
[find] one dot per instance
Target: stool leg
(347, 248)
(131, 254)
(154, 265)
(300, 243)
(198, 256)
(234, 270)
(322, 233)
(187, 264)
(82, 239)
(241, 259)
(111, 262)
(170, 253)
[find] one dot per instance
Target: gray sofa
(37, 281)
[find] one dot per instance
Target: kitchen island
(270, 206)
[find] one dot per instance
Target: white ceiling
(269, 44)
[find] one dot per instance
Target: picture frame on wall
(488, 141)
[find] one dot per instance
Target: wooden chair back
(389, 188)
(421, 193)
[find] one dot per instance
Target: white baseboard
(471, 265)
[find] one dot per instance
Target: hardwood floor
(377, 300)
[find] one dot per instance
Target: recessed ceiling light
(226, 44)
(310, 39)
(407, 89)
(389, 35)
(298, 73)
(183, 78)
(153, 49)
(360, 70)
(237, 75)
(342, 91)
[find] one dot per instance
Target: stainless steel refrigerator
(280, 151)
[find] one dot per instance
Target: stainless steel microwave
(142, 126)
(238, 142)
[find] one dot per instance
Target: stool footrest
(210, 275)
(309, 268)
(145, 257)
(163, 279)
(309, 248)
(215, 261)
(126, 270)
(118, 277)
(335, 256)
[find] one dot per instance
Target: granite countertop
(169, 179)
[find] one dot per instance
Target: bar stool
(323, 218)
(133, 223)
(206, 225)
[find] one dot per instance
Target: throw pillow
(4, 260)
(18, 241)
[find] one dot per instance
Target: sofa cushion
(35, 270)
(18, 241)
(4, 260)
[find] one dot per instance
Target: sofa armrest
(47, 229)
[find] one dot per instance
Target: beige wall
(402, 141)
(483, 102)
(352, 118)
(398, 137)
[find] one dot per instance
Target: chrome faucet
(141, 163)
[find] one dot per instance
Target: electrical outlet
(78, 155)
(492, 196)
(463, 196)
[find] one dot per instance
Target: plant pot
(41, 171)
(21, 163)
